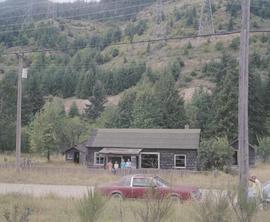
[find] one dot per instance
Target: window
(150, 160)
(180, 161)
(125, 181)
(99, 159)
(142, 182)
(69, 156)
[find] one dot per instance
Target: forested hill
(134, 49)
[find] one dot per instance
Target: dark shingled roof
(145, 138)
(80, 147)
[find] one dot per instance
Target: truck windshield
(161, 182)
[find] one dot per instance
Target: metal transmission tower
(206, 20)
(159, 11)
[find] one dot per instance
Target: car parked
(136, 186)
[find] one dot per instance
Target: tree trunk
(48, 155)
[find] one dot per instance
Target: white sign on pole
(24, 73)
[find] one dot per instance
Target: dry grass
(54, 209)
(59, 172)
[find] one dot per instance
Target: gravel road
(39, 190)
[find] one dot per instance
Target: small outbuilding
(145, 148)
(76, 154)
(252, 153)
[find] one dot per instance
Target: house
(76, 154)
(145, 148)
(252, 153)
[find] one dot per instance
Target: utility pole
(206, 25)
(243, 138)
(19, 112)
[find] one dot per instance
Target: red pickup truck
(136, 186)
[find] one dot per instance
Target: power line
(86, 14)
(140, 41)
(77, 16)
(72, 10)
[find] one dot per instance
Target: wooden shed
(76, 154)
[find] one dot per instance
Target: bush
(215, 153)
(264, 148)
(91, 206)
(17, 215)
(219, 46)
(155, 208)
(235, 44)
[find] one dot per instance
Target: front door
(115, 159)
(76, 157)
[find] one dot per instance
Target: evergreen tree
(225, 104)
(200, 111)
(97, 102)
(146, 112)
(73, 110)
(171, 105)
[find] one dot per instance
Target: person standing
(115, 166)
(109, 166)
(123, 164)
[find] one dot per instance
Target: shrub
(215, 153)
(235, 44)
(219, 46)
(214, 207)
(264, 148)
(154, 208)
(17, 215)
(90, 207)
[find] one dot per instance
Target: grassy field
(54, 209)
(61, 173)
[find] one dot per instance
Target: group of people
(113, 167)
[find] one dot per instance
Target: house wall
(166, 157)
(90, 156)
(70, 152)
(252, 156)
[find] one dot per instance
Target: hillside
(115, 54)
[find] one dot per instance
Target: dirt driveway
(39, 190)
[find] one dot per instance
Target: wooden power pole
(243, 100)
(19, 113)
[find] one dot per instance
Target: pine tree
(73, 110)
(170, 103)
(146, 111)
(225, 104)
(97, 102)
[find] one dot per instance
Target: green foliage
(171, 105)
(175, 69)
(235, 44)
(96, 106)
(132, 29)
(116, 81)
(73, 110)
(90, 207)
(8, 111)
(17, 214)
(219, 46)
(199, 111)
(263, 148)
(214, 207)
(215, 153)
(146, 111)
(71, 131)
(46, 129)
